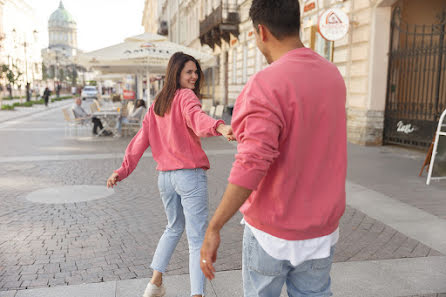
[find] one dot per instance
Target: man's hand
(226, 131)
(233, 198)
(112, 180)
(209, 253)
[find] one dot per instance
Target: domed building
(62, 31)
(59, 57)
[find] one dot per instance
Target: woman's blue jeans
(185, 197)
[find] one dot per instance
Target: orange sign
(309, 6)
(128, 95)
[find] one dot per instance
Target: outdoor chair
(219, 111)
(212, 111)
(206, 105)
(73, 124)
(93, 107)
(130, 107)
(132, 127)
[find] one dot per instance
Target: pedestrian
(172, 127)
(58, 88)
(28, 92)
(288, 178)
(46, 95)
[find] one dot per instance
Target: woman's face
(189, 75)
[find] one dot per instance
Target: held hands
(112, 180)
(226, 131)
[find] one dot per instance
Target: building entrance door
(416, 84)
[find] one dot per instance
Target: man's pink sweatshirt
(290, 124)
(174, 138)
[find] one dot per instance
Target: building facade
(393, 58)
(58, 58)
(150, 16)
(18, 42)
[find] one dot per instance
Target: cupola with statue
(62, 30)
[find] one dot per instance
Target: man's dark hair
(281, 17)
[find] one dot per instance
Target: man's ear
(263, 32)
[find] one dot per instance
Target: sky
(100, 23)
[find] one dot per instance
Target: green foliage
(7, 107)
(9, 98)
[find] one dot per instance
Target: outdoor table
(109, 118)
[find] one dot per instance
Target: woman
(133, 117)
(172, 127)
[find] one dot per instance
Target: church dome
(61, 18)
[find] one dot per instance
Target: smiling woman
(183, 71)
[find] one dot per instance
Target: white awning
(146, 52)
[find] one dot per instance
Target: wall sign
(309, 6)
(128, 94)
(333, 24)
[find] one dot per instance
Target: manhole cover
(69, 194)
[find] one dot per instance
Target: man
(46, 95)
(80, 113)
(28, 92)
(288, 178)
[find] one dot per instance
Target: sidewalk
(421, 276)
(386, 278)
(19, 112)
(392, 235)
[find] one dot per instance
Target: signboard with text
(128, 95)
(333, 24)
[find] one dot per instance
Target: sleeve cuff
(217, 123)
(121, 173)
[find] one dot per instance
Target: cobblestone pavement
(114, 238)
(429, 295)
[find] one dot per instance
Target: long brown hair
(164, 99)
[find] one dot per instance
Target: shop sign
(128, 94)
(309, 6)
(333, 24)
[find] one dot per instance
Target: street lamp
(25, 44)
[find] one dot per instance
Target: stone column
(139, 87)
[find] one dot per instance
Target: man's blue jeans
(264, 276)
(185, 197)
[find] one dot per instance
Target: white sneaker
(154, 291)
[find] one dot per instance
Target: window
(234, 66)
(320, 45)
(245, 63)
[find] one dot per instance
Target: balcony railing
(219, 24)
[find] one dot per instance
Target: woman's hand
(112, 180)
(226, 131)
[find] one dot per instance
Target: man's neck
(284, 46)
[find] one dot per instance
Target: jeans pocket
(186, 180)
(260, 261)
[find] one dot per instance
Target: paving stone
(115, 237)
